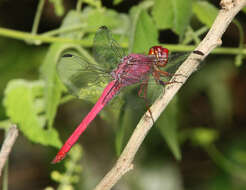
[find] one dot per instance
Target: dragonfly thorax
(133, 68)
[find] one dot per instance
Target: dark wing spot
(67, 55)
(103, 27)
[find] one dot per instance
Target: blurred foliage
(72, 170)
(201, 8)
(208, 115)
(175, 14)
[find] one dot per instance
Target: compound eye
(151, 51)
(165, 50)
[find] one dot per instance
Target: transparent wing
(175, 60)
(106, 50)
(77, 74)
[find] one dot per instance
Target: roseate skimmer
(76, 72)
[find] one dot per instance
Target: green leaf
(113, 20)
(143, 33)
(168, 125)
(126, 123)
(205, 12)
(172, 14)
(73, 18)
(53, 87)
(18, 60)
(163, 14)
(213, 79)
(24, 107)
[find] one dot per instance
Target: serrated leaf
(205, 12)
(20, 103)
(168, 125)
(143, 34)
(172, 14)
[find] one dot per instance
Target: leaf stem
(14, 34)
(64, 30)
(41, 38)
(222, 50)
(79, 5)
(194, 35)
(239, 57)
(37, 16)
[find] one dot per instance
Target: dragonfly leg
(143, 88)
(148, 107)
(162, 63)
(164, 73)
(167, 74)
(156, 76)
(167, 83)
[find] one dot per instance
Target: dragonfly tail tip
(57, 159)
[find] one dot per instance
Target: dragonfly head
(159, 51)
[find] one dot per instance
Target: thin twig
(7, 145)
(37, 16)
(212, 39)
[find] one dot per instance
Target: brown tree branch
(213, 38)
(7, 145)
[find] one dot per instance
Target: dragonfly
(121, 70)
